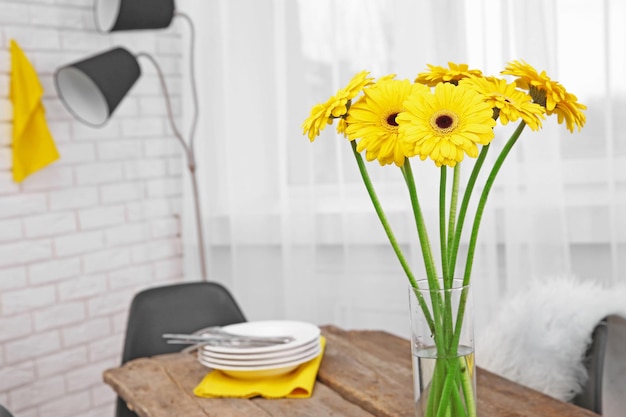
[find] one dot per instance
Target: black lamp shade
(113, 15)
(91, 89)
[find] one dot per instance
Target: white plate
(244, 372)
(282, 364)
(302, 333)
(312, 350)
(260, 356)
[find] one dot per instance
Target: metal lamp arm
(168, 103)
(192, 76)
(189, 154)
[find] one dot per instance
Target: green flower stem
(451, 388)
(458, 406)
(436, 387)
(457, 379)
(448, 274)
(442, 224)
(392, 239)
(452, 220)
(453, 252)
(443, 381)
(431, 273)
(466, 384)
(452, 403)
(442, 333)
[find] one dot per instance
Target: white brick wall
(81, 237)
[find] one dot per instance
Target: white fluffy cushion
(541, 334)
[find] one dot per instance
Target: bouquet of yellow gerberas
(444, 115)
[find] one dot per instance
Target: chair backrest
(614, 385)
(177, 308)
(591, 395)
(4, 412)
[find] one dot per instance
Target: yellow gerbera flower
(372, 120)
(570, 111)
(549, 94)
(452, 74)
(508, 102)
(341, 124)
(446, 124)
(336, 106)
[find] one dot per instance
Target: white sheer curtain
(290, 229)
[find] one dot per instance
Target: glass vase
(442, 344)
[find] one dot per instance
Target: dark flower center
(391, 119)
(444, 121)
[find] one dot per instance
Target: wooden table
(363, 373)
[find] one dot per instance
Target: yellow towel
(296, 384)
(33, 145)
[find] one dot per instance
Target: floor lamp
(92, 88)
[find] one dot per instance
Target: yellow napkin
(296, 384)
(33, 145)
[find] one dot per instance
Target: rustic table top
(363, 373)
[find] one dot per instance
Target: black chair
(591, 395)
(4, 412)
(177, 308)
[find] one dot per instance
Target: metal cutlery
(217, 337)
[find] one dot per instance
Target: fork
(217, 337)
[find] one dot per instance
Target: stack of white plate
(264, 361)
